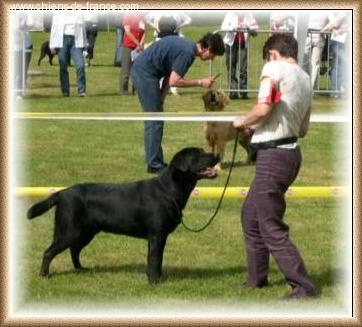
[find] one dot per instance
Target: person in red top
(133, 43)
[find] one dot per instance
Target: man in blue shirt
(169, 58)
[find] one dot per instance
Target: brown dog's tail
(39, 208)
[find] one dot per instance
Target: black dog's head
(195, 162)
(215, 100)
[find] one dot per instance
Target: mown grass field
(203, 272)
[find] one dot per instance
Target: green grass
(203, 270)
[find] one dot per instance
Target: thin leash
(222, 195)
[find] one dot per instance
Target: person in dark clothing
(91, 28)
(169, 58)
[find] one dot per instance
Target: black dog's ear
(180, 163)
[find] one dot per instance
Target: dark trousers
(262, 220)
(119, 47)
(149, 94)
(126, 70)
(237, 55)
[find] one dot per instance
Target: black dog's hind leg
(77, 247)
(42, 55)
(156, 246)
(49, 254)
(65, 234)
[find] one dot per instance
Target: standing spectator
(338, 26)
(68, 35)
(23, 47)
(280, 116)
(119, 41)
(314, 45)
(169, 58)
(134, 35)
(168, 23)
(240, 25)
(91, 27)
(282, 22)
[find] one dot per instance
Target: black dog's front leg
(156, 245)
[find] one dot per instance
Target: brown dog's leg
(210, 144)
(244, 141)
(220, 150)
(209, 148)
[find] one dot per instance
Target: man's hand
(208, 81)
(239, 124)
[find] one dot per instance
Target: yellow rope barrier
(213, 192)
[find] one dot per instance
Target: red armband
(268, 92)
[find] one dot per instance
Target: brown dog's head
(215, 100)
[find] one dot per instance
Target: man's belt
(274, 143)
(254, 147)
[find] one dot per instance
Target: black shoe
(299, 295)
(233, 96)
(244, 96)
(260, 285)
(154, 170)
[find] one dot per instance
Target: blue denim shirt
(170, 53)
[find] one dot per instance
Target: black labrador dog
(45, 51)
(150, 209)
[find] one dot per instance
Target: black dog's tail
(39, 208)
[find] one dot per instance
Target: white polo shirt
(294, 97)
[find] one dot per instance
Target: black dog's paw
(156, 280)
(82, 269)
(44, 274)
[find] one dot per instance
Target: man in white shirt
(68, 35)
(22, 22)
(314, 45)
(280, 116)
(338, 25)
(282, 22)
(167, 22)
(239, 26)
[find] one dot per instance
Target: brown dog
(217, 134)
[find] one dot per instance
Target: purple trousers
(262, 220)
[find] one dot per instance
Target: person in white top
(239, 25)
(282, 22)
(68, 35)
(167, 23)
(338, 25)
(22, 46)
(314, 45)
(280, 116)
